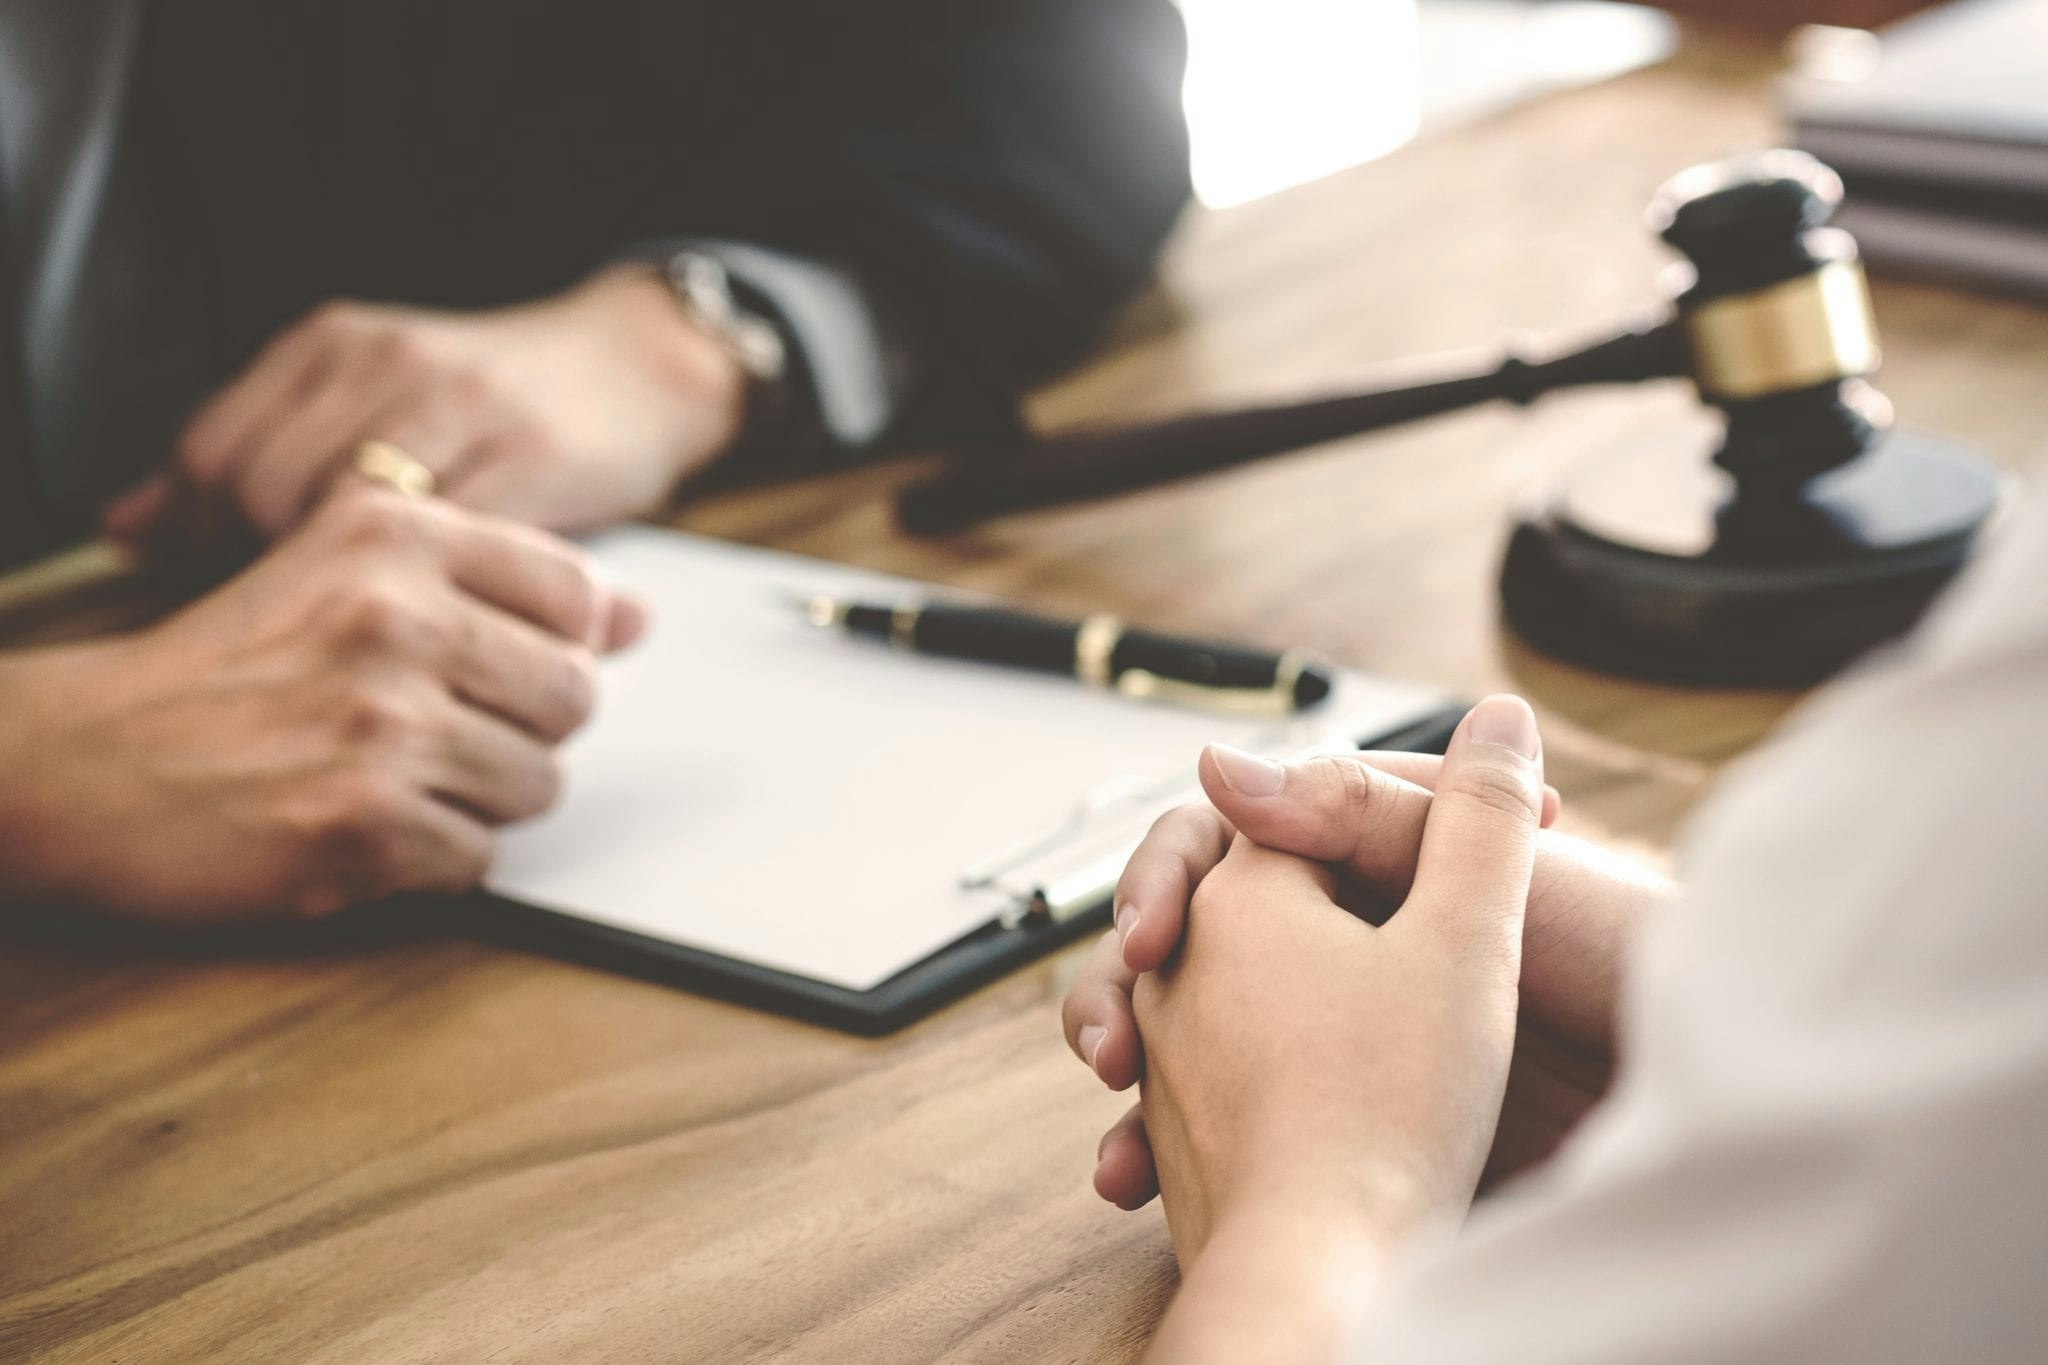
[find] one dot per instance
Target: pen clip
(1141, 684)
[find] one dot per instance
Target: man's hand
(1318, 1088)
(1366, 815)
(347, 719)
(570, 413)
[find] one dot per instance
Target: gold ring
(383, 462)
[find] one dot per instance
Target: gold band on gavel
(1806, 331)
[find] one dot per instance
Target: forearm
(998, 191)
(1589, 907)
(1277, 1284)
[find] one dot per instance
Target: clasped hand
(350, 717)
(1307, 1074)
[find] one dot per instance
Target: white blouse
(1829, 1138)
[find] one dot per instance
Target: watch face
(704, 288)
(758, 347)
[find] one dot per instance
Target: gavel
(1771, 321)
(1825, 532)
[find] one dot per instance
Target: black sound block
(1648, 566)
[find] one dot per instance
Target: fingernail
(1126, 922)
(630, 615)
(1248, 774)
(1508, 722)
(1091, 1043)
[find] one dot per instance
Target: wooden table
(438, 1151)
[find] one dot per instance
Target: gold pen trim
(1141, 684)
(903, 626)
(1094, 647)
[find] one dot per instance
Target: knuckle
(353, 827)
(402, 350)
(375, 718)
(1353, 788)
(526, 443)
(1504, 793)
(373, 618)
(577, 591)
(466, 388)
(544, 786)
(575, 690)
(376, 519)
(335, 316)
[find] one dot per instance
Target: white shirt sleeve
(1829, 1139)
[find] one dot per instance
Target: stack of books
(1942, 139)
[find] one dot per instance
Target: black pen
(1099, 650)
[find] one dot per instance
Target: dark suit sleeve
(972, 186)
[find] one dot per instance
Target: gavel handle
(1099, 463)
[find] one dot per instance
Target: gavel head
(1776, 315)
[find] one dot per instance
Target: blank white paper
(754, 786)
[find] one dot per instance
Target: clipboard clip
(1115, 792)
(1073, 866)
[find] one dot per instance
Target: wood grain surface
(401, 1148)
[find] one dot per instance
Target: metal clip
(1141, 684)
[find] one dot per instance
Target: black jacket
(997, 174)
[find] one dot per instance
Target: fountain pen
(1099, 650)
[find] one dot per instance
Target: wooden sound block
(1647, 566)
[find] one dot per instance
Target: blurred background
(1282, 92)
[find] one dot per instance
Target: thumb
(1335, 809)
(1366, 815)
(1479, 842)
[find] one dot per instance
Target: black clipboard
(962, 966)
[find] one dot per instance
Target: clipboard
(810, 824)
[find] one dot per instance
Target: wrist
(1333, 1191)
(36, 859)
(699, 375)
(1279, 1278)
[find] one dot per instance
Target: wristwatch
(703, 288)
(705, 293)
(827, 368)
